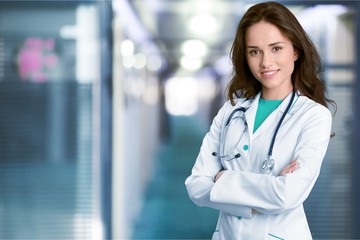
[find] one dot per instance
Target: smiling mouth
(269, 73)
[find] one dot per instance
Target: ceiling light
(127, 48)
(181, 96)
(190, 63)
(140, 60)
(204, 24)
(129, 61)
(326, 13)
(194, 48)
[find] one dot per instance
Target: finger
(293, 167)
(284, 171)
(293, 163)
(290, 168)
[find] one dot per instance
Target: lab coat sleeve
(278, 194)
(201, 180)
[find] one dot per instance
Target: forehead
(264, 33)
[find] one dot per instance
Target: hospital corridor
(104, 106)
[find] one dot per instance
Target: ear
(296, 54)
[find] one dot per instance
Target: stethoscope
(269, 163)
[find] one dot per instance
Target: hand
(253, 211)
(293, 165)
(218, 175)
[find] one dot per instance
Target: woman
(263, 153)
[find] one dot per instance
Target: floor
(168, 213)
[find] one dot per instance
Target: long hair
(305, 77)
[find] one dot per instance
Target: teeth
(269, 73)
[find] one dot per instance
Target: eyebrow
(270, 45)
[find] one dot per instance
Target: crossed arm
(290, 168)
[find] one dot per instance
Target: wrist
(218, 175)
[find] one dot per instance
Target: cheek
(289, 67)
(287, 61)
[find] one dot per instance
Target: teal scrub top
(265, 108)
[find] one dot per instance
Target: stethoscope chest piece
(268, 165)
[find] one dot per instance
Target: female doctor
(263, 153)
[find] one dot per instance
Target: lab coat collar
(252, 105)
(286, 102)
(253, 102)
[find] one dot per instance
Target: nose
(266, 60)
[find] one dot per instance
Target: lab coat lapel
(273, 119)
(281, 109)
(251, 113)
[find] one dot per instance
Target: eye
(276, 48)
(254, 52)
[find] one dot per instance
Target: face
(271, 58)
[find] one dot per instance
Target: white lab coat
(304, 135)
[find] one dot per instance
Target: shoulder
(239, 102)
(308, 108)
(227, 108)
(313, 118)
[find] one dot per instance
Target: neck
(271, 95)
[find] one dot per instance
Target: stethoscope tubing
(243, 109)
(279, 124)
(232, 114)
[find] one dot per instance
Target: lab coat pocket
(216, 235)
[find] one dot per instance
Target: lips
(269, 73)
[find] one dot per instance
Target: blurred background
(104, 104)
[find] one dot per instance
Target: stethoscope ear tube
(231, 156)
(226, 157)
(232, 114)
(279, 124)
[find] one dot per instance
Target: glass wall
(49, 120)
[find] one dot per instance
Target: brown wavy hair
(305, 77)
